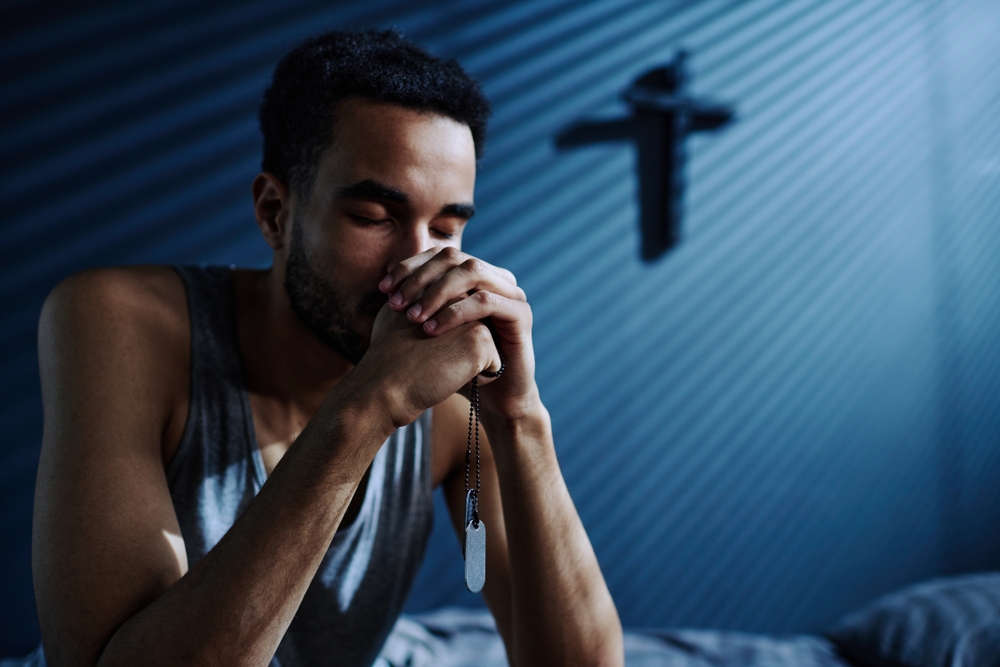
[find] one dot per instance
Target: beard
(325, 311)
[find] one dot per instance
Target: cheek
(363, 261)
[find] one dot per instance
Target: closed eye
(368, 221)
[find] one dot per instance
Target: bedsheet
(456, 637)
(468, 638)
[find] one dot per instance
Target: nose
(412, 240)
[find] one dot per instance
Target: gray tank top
(362, 583)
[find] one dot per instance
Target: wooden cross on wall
(663, 114)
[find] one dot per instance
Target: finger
(399, 272)
(510, 316)
(471, 276)
(405, 268)
(478, 348)
(411, 287)
(489, 353)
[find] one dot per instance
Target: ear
(271, 206)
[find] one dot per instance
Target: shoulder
(115, 338)
(449, 429)
(118, 296)
(129, 306)
(129, 313)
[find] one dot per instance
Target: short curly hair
(297, 112)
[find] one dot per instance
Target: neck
(282, 359)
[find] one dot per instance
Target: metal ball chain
(474, 428)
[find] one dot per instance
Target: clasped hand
(431, 334)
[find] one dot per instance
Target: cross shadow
(663, 115)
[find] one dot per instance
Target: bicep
(497, 589)
(106, 541)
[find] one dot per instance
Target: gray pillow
(950, 622)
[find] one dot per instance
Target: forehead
(412, 151)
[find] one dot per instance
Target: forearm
(234, 605)
(562, 612)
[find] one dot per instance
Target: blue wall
(795, 410)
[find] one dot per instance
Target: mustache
(371, 302)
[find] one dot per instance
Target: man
(337, 376)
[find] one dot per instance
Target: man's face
(394, 183)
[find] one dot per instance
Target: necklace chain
(474, 428)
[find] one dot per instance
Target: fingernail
(414, 312)
(386, 282)
(430, 325)
(396, 298)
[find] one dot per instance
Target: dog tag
(475, 556)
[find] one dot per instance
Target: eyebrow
(373, 190)
(369, 189)
(464, 211)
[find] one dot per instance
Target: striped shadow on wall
(795, 410)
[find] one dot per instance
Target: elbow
(611, 654)
(608, 646)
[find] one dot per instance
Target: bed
(953, 622)
(948, 622)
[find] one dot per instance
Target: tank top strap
(217, 469)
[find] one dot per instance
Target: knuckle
(481, 336)
(450, 252)
(452, 313)
(486, 298)
(474, 265)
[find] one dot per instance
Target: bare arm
(109, 564)
(560, 610)
(111, 579)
